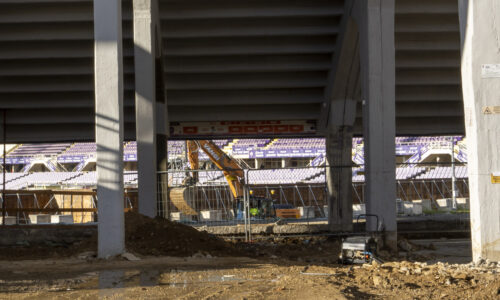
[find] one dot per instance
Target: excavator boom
(182, 197)
(230, 168)
(194, 162)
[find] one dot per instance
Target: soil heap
(158, 236)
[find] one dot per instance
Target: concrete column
(338, 119)
(162, 130)
(481, 86)
(108, 76)
(145, 104)
(339, 177)
(377, 53)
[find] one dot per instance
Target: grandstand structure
(278, 161)
(114, 71)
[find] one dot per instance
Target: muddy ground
(171, 261)
(207, 277)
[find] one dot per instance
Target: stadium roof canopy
(223, 60)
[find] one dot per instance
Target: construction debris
(129, 256)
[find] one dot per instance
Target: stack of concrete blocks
(424, 203)
(210, 215)
(358, 209)
(61, 219)
(180, 217)
(306, 212)
(9, 220)
(39, 219)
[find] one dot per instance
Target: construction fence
(297, 194)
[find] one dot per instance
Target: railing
(295, 194)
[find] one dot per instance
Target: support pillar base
(390, 239)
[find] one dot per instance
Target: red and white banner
(242, 128)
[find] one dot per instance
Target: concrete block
(411, 208)
(9, 220)
(180, 217)
(407, 208)
(211, 215)
(358, 209)
(61, 219)
(417, 209)
(445, 204)
(425, 203)
(463, 203)
(306, 212)
(39, 219)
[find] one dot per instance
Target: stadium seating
(245, 148)
(39, 149)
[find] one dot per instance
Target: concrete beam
(375, 19)
(108, 73)
(481, 86)
(145, 104)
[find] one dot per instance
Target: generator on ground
(361, 249)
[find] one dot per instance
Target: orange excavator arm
(192, 150)
(230, 168)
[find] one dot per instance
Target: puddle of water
(223, 278)
(111, 283)
(149, 278)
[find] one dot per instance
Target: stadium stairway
(72, 177)
(66, 150)
(418, 174)
(312, 177)
(270, 144)
(228, 148)
(11, 149)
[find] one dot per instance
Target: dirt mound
(147, 236)
(143, 235)
(311, 249)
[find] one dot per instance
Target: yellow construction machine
(182, 197)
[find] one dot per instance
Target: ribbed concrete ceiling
(428, 80)
(224, 60)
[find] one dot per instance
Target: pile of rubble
(464, 279)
